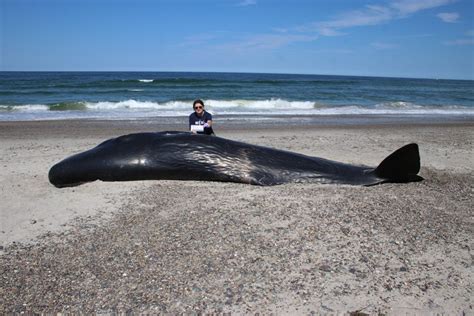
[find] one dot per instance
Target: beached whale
(186, 156)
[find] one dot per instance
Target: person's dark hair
(198, 101)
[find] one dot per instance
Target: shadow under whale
(186, 156)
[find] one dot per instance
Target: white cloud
(448, 17)
(280, 30)
(372, 15)
(266, 41)
(245, 3)
(366, 16)
(229, 42)
(404, 7)
(421, 35)
(328, 31)
(383, 46)
(332, 51)
(199, 39)
(460, 42)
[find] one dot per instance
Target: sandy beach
(192, 247)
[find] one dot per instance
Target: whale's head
(113, 160)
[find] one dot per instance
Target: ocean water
(136, 95)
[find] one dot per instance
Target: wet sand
(185, 246)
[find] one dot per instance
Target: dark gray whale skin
(186, 156)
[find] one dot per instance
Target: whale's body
(185, 156)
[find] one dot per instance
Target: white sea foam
(259, 104)
(24, 108)
(145, 80)
(130, 109)
(134, 104)
(222, 106)
(128, 104)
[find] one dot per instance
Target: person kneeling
(200, 121)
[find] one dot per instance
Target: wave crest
(129, 109)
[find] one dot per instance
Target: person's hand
(206, 125)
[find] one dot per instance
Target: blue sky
(396, 38)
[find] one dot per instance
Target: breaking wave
(135, 109)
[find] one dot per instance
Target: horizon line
(247, 72)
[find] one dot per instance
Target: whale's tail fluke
(402, 165)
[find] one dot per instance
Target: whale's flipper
(401, 166)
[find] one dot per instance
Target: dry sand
(175, 246)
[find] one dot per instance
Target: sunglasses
(198, 107)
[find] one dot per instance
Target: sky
(392, 38)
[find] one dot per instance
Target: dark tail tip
(402, 165)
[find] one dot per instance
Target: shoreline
(335, 119)
(145, 246)
(238, 123)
